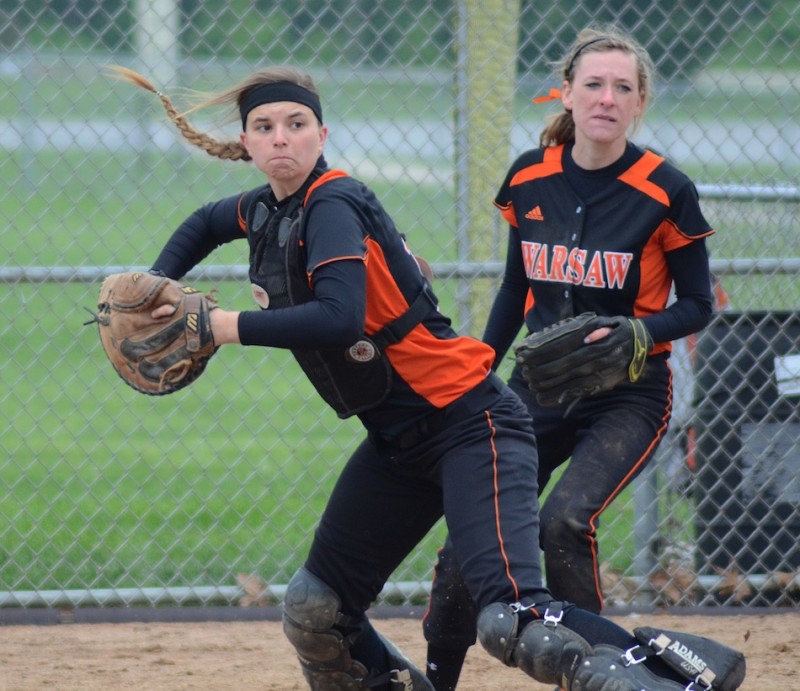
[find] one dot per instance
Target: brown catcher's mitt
(154, 356)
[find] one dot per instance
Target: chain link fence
(210, 495)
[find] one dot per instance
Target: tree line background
(385, 33)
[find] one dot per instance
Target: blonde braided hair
(230, 150)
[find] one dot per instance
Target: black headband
(580, 49)
(279, 91)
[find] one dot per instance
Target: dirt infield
(245, 655)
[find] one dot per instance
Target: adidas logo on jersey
(535, 214)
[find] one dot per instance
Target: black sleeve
(334, 318)
(508, 309)
(199, 235)
(691, 310)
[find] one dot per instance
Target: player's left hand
(583, 356)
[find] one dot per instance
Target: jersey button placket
(574, 241)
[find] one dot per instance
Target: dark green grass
(89, 209)
(104, 487)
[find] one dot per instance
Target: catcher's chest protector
(351, 380)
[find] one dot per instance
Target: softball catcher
(334, 282)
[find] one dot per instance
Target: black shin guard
(544, 649)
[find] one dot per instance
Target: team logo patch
(535, 214)
(362, 351)
(260, 296)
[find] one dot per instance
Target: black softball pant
(479, 472)
(608, 440)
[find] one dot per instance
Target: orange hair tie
(552, 96)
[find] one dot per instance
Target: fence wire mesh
(210, 495)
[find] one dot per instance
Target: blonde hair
(560, 127)
(229, 150)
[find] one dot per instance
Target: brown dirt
(255, 655)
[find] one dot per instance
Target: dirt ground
(243, 655)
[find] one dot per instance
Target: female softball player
(334, 282)
(596, 224)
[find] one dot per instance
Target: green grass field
(104, 487)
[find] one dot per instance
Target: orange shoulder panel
(636, 176)
(322, 179)
(550, 165)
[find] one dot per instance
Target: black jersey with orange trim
(351, 249)
(602, 248)
(432, 365)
